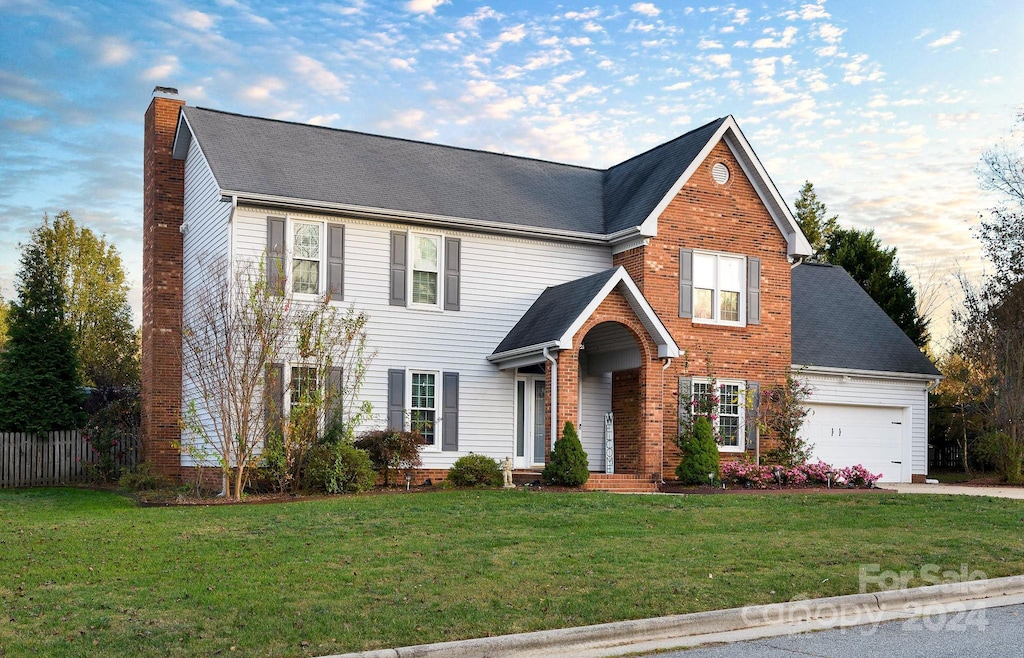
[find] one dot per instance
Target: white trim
(741, 430)
(875, 374)
(797, 244)
(289, 241)
(640, 241)
(716, 302)
(666, 345)
(438, 404)
(410, 256)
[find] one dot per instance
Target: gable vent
(720, 173)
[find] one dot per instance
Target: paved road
(984, 633)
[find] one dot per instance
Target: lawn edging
(843, 610)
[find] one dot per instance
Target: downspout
(666, 362)
(554, 394)
(231, 268)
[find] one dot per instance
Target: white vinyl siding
(867, 391)
(595, 402)
(205, 243)
(500, 278)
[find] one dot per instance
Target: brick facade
(725, 218)
(162, 260)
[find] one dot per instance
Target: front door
(529, 431)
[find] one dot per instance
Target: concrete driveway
(956, 489)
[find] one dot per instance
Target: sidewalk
(956, 489)
(752, 622)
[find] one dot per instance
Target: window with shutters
(307, 256)
(302, 387)
(426, 267)
(727, 412)
(423, 398)
(719, 288)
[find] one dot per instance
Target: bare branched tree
(232, 333)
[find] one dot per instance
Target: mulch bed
(676, 488)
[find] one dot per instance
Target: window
(718, 288)
(303, 385)
(728, 413)
(426, 252)
(423, 405)
(306, 256)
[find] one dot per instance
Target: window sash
(423, 405)
(718, 288)
(729, 411)
(307, 257)
(426, 266)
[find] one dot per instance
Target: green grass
(89, 573)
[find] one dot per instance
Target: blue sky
(885, 105)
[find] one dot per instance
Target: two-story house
(507, 295)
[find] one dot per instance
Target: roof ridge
(666, 143)
(399, 139)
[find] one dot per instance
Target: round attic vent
(720, 173)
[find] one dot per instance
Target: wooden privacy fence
(34, 460)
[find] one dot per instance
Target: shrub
(817, 474)
(475, 470)
(1005, 454)
(700, 454)
(142, 478)
(857, 476)
(568, 465)
(339, 468)
(391, 450)
(109, 432)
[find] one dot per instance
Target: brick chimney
(163, 208)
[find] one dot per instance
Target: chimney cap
(165, 92)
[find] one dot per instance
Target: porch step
(622, 483)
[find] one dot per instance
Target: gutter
(877, 374)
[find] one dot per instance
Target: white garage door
(844, 435)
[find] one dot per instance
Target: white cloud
(721, 60)
(262, 90)
(645, 8)
(786, 40)
(771, 90)
(167, 66)
(323, 119)
(858, 71)
(639, 26)
(591, 26)
(424, 6)
(513, 34)
(740, 16)
(802, 112)
(830, 33)
(582, 15)
(679, 86)
(945, 39)
(472, 22)
(114, 52)
(578, 41)
(992, 80)
(400, 64)
(196, 20)
(708, 44)
(606, 65)
(808, 12)
(317, 76)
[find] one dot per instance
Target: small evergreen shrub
(339, 468)
(700, 454)
(391, 450)
(142, 478)
(475, 470)
(568, 465)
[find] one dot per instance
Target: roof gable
(836, 324)
(553, 320)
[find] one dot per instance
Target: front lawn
(89, 573)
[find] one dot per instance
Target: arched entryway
(610, 358)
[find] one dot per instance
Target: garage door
(844, 435)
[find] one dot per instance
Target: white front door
(529, 422)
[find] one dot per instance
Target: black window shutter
(334, 386)
(686, 283)
(684, 398)
(450, 411)
(452, 273)
(273, 391)
(754, 398)
(399, 258)
(753, 291)
(275, 255)
(396, 399)
(336, 261)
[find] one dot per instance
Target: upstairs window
(306, 258)
(718, 287)
(426, 252)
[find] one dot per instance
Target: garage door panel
(845, 435)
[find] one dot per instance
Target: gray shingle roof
(312, 163)
(554, 311)
(836, 324)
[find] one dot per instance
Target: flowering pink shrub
(817, 474)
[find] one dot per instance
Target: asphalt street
(982, 633)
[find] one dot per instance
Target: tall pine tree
(40, 388)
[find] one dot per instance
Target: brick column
(163, 208)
